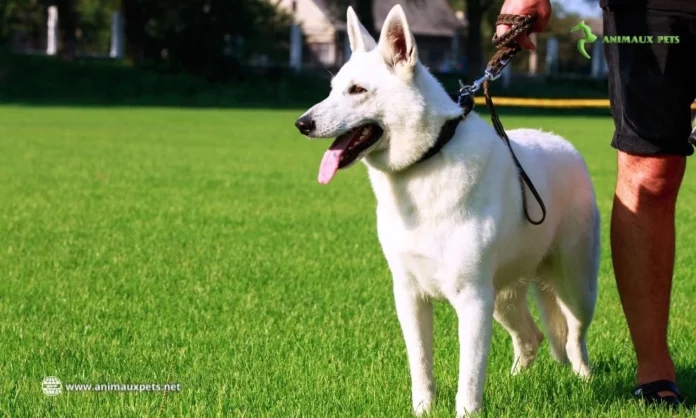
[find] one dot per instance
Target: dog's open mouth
(347, 149)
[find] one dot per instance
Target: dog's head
(384, 106)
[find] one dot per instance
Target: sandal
(649, 393)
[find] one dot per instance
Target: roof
(425, 17)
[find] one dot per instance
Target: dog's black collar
(466, 102)
(446, 134)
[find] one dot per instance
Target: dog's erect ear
(396, 42)
(360, 39)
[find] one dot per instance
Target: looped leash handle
(506, 44)
(519, 24)
(507, 49)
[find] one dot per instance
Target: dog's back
(475, 179)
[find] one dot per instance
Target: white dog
(452, 227)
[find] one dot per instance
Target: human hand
(539, 8)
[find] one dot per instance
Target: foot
(659, 392)
(583, 371)
(692, 137)
(525, 353)
(466, 408)
(423, 401)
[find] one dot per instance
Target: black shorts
(651, 85)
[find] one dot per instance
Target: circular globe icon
(51, 386)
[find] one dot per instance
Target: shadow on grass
(687, 384)
(612, 390)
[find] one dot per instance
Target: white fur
(452, 227)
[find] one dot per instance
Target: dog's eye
(356, 89)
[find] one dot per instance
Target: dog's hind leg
(512, 312)
(578, 320)
(577, 291)
(555, 324)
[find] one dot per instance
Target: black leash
(524, 178)
(507, 49)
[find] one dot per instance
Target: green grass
(195, 246)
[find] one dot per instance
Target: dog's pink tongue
(332, 158)
(329, 165)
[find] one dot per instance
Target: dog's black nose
(305, 125)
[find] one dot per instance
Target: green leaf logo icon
(589, 37)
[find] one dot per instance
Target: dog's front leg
(474, 304)
(415, 314)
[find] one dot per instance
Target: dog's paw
(469, 413)
(423, 402)
(559, 355)
(525, 351)
(583, 372)
(521, 364)
(517, 368)
(467, 409)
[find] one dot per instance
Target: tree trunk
(134, 29)
(67, 22)
(365, 11)
(474, 52)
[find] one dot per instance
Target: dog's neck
(418, 135)
(447, 132)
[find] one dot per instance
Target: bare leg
(643, 245)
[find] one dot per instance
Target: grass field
(195, 246)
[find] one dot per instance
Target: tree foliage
(25, 17)
(211, 37)
(204, 37)
(196, 36)
(83, 22)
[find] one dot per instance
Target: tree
(365, 9)
(476, 11)
(204, 37)
(197, 36)
(481, 16)
(23, 17)
(67, 23)
(83, 21)
(136, 14)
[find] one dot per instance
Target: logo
(648, 39)
(589, 37)
(51, 386)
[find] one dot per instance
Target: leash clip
(465, 98)
(494, 73)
